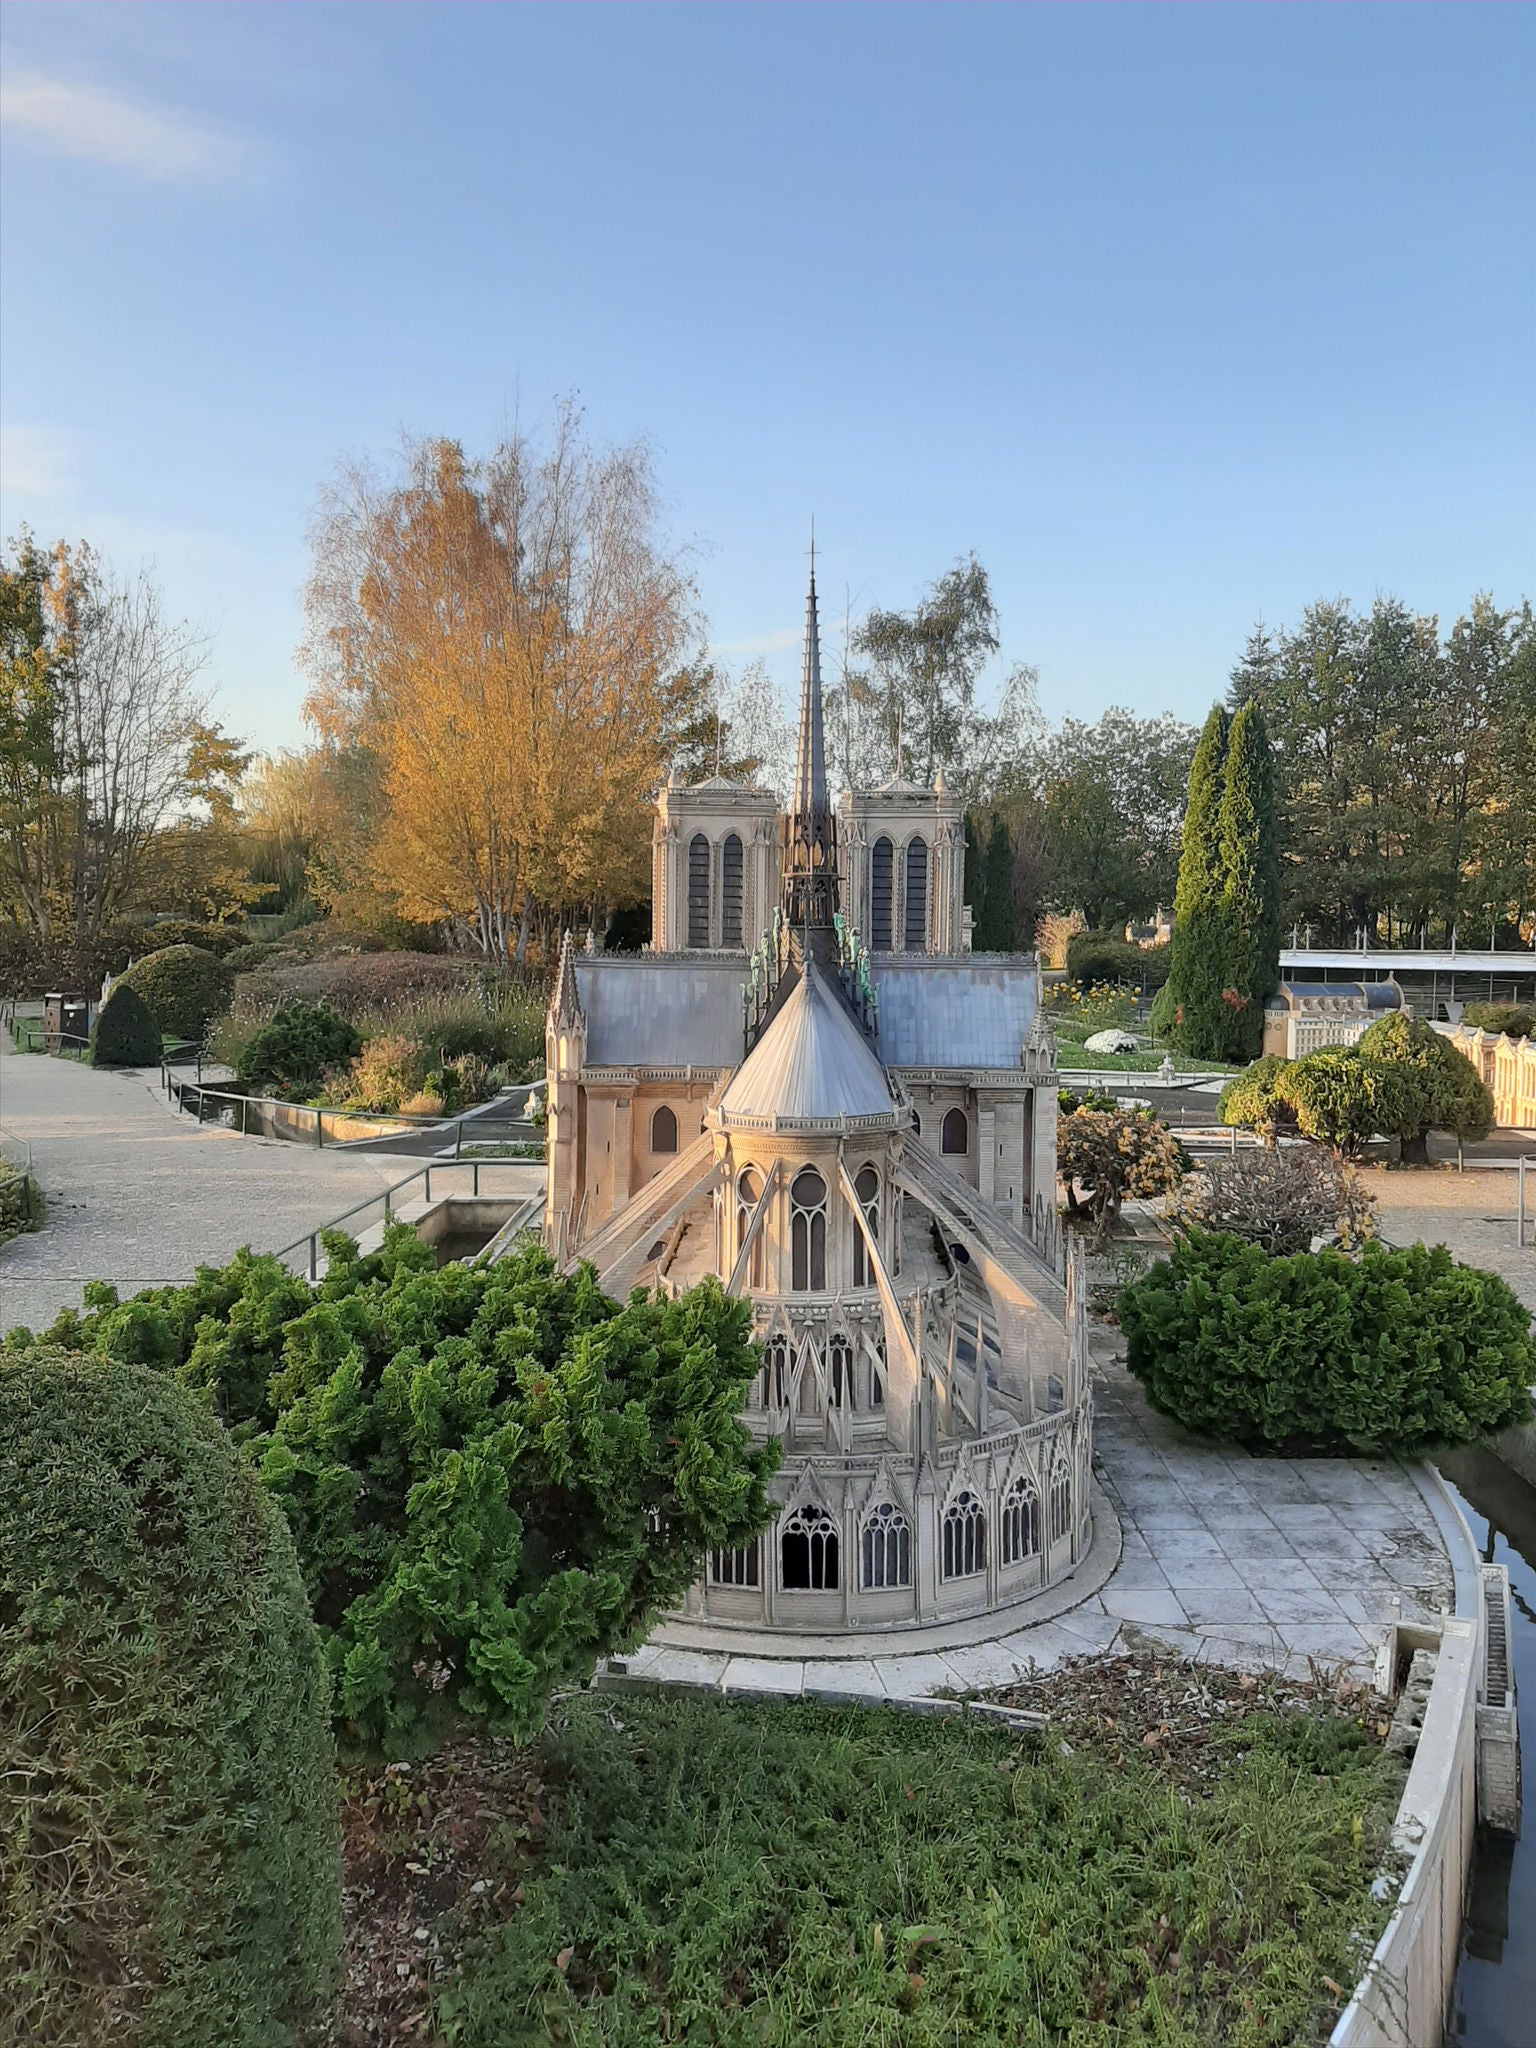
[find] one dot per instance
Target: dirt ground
(1471, 1213)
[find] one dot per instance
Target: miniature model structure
(860, 1139)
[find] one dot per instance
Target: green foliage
(494, 1474)
(1190, 1011)
(1258, 1099)
(1438, 1089)
(125, 1033)
(169, 1833)
(184, 987)
(1106, 1156)
(290, 1054)
(1109, 799)
(1398, 1353)
(1407, 769)
(758, 1875)
(1341, 1098)
(993, 931)
(1516, 1019)
(1250, 877)
(218, 939)
(1107, 956)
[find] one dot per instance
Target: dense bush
(245, 959)
(291, 1053)
(1517, 1019)
(1106, 1156)
(168, 1834)
(495, 1475)
(1107, 956)
(1437, 1088)
(1400, 1352)
(1257, 1099)
(184, 987)
(125, 1033)
(218, 939)
(1280, 1198)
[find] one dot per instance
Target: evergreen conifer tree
(1249, 859)
(996, 924)
(975, 886)
(1189, 1009)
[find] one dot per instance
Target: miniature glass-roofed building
(810, 1087)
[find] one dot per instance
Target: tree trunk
(1414, 1151)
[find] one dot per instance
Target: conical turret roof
(813, 1066)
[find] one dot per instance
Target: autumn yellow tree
(505, 636)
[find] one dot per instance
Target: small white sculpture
(1112, 1041)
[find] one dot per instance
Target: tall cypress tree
(1250, 866)
(997, 925)
(1189, 1009)
(975, 888)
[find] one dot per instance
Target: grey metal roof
(812, 1065)
(674, 1010)
(970, 1011)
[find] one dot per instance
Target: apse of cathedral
(811, 1087)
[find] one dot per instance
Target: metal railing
(303, 1256)
(302, 1123)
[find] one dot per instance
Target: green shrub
(218, 939)
(1398, 1353)
(1105, 1156)
(245, 959)
(125, 1033)
(1258, 1100)
(169, 1830)
(1107, 956)
(185, 988)
(495, 1475)
(1436, 1088)
(291, 1053)
(1517, 1019)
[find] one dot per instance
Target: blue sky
(1174, 315)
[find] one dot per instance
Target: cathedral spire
(810, 847)
(810, 753)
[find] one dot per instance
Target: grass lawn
(1182, 1858)
(1071, 1056)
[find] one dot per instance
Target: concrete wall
(1402, 2000)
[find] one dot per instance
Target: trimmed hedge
(185, 988)
(218, 939)
(169, 1834)
(125, 1033)
(1400, 1352)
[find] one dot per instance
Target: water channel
(1495, 2003)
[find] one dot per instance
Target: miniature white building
(858, 1135)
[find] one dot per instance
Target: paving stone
(687, 1667)
(1256, 1540)
(911, 1677)
(853, 1676)
(1281, 1605)
(1131, 1605)
(784, 1675)
(1215, 1604)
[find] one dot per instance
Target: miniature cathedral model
(811, 1087)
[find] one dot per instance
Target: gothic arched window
(748, 1194)
(808, 1552)
(840, 1372)
(965, 1538)
(775, 1361)
(867, 1187)
(882, 862)
(698, 890)
(916, 934)
(1019, 1536)
(730, 891)
(664, 1130)
(956, 1135)
(1061, 1498)
(808, 1231)
(887, 1548)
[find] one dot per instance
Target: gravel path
(138, 1196)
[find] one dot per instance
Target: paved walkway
(138, 1196)
(1473, 1213)
(1254, 1562)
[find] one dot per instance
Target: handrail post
(314, 1267)
(319, 1129)
(458, 1139)
(474, 1177)
(386, 1205)
(427, 1189)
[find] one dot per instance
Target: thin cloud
(129, 135)
(33, 463)
(766, 643)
